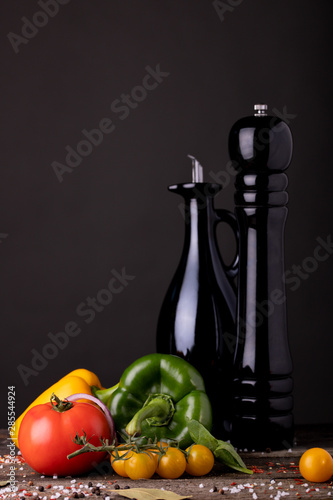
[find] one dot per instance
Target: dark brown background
(114, 210)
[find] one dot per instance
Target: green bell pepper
(157, 395)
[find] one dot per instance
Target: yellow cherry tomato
(200, 460)
(316, 465)
(140, 465)
(118, 465)
(172, 464)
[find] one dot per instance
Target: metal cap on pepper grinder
(261, 109)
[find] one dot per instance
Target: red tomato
(45, 438)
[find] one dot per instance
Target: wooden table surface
(276, 475)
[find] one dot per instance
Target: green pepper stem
(103, 394)
(158, 410)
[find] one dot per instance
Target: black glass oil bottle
(261, 149)
(197, 317)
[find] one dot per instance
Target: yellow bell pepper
(80, 380)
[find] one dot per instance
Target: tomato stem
(60, 405)
(132, 444)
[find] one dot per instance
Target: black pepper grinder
(261, 147)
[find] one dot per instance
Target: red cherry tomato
(46, 434)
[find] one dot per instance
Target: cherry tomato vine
(140, 458)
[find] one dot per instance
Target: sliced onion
(103, 407)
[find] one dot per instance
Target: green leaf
(4, 483)
(231, 458)
(223, 452)
(231, 450)
(151, 494)
(200, 435)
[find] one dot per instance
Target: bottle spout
(197, 170)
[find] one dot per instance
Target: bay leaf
(151, 494)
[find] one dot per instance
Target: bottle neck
(198, 199)
(200, 217)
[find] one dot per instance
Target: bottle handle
(230, 218)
